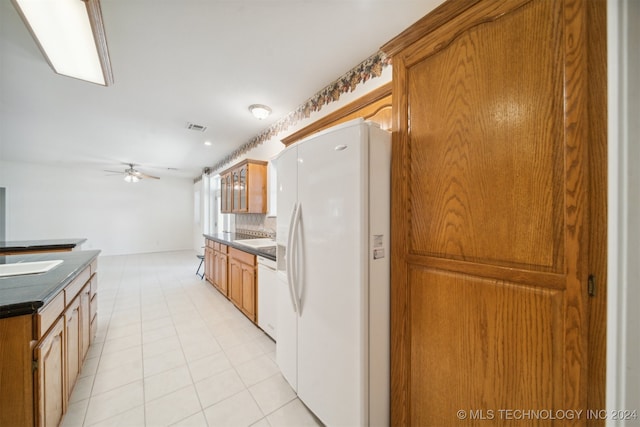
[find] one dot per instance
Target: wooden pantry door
(490, 237)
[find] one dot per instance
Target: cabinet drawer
(49, 314)
(223, 248)
(216, 246)
(242, 256)
(73, 288)
(210, 243)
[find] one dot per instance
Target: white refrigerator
(333, 199)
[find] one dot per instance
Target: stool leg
(198, 270)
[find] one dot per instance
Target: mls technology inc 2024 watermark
(546, 414)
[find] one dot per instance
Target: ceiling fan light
(131, 178)
(260, 111)
(71, 36)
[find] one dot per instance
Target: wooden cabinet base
(233, 273)
(41, 355)
(16, 372)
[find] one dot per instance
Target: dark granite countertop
(25, 294)
(230, 238)
(26, 245)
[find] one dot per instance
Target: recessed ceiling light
(260, 111)
(207, 143)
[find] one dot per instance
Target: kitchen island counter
(17, 246)
(25, 294)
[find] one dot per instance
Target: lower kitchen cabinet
(215, 268)
(242, 281)
(235, 282)
(73, 340)
(50, 390)
(234, 273)
(41, 354)
(220, 271)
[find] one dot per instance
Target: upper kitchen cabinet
(227, 193)
(244, 187)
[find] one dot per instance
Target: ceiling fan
(133, 175)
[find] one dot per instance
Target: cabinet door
(490, 231)
(223, 193)
(85, 323)
(235, 185)
(229, 198)
(242, 189)
(249, 291)
(256, 188)
(49, 377)
(226, 189)
(221, 271)
(235, 282)
(72, 331)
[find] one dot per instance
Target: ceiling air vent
(198, 128)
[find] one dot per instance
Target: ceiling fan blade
(118, 172)
(144, 175)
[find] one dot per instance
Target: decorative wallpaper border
(369, 68)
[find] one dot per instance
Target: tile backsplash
(256, 224)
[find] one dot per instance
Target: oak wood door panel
(492, 343)
(490, 194)
(235, 282)
(488, 134)
(16, 371)
(49, 377)
(72, 319)
(221, 273)
(249, 291)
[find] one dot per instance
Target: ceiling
(181, 61)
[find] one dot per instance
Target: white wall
(44, 202)
(273, 146)
(199, 201)
(623, 323)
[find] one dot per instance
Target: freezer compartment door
(333, 245)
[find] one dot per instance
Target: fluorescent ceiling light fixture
(260, 111)
(71, 36)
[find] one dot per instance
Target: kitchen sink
(257, 243)
(22, 268)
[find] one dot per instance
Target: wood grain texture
(491, 213)
(488, 135)
(576, 206)
(503, 338)
(50, 384)
(400, 319)
(597, 74)
(73, 360)
(16, 378)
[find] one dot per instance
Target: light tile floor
(172, 351)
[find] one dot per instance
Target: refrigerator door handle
(289, 258)
(295, 259)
